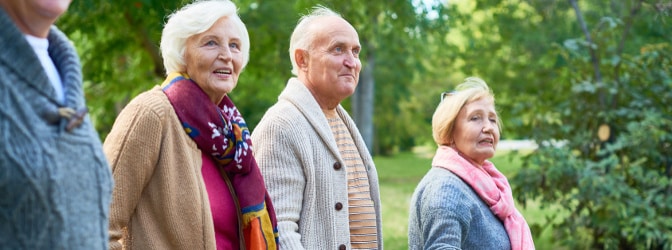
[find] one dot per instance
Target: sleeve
(444, 215)
(278, 154)
(132, 149)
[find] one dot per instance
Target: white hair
(304, 35)
(193, 19)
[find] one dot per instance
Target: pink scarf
(494, 190)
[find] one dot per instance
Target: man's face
(332, 63)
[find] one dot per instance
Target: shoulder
(440, 185)
(442, 178)
(152, 101)
(59, 40)
(282, 115)
(149, 111)
(295, 103)
(62, 51)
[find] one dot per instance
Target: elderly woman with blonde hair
(464, 202)
(181, 154)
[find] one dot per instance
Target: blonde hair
(193, 19)
(443, 120)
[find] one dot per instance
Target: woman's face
(214, 58)
(476, 131)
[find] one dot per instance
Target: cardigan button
(338, 206)
(337, 165)
(76, 119)
(341, 247)
(54, 114)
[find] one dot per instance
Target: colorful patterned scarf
(494, 190)
(221, 132)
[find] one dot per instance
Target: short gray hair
(193, 19)
(303, 35)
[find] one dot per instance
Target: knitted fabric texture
(160, 200)
(445, 213)
(55, 185)
(297, 152)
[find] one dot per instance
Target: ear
(301, 58)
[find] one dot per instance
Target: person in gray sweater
(464, 202)
(55, 183)
(319, 174)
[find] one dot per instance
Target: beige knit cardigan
(296, 153)
(159, 199)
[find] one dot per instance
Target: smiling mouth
(223, 71)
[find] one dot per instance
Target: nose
(488, 127)
(350, 60)
(225, 53)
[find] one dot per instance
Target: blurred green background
(587, 81)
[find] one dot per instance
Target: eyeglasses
(447, 94)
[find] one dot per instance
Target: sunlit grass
(399, 176)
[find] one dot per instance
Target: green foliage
(118, 43)
(118, 46)
(619, 191)
(270, 25)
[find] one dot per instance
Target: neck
(325, 103)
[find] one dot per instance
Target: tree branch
(626, 31)
(593, 55)
(601, 95)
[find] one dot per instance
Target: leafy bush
(617, 190)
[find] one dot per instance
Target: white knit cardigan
(296, 152)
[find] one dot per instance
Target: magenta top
(221, 205)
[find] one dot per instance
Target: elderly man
(318, 171)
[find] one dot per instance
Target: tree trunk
(362, 100)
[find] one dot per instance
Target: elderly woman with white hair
(180, 153)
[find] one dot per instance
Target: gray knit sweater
(55, 185)
(447, 214)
